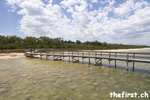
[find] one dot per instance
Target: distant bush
(10, 43)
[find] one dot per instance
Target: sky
(112, 21)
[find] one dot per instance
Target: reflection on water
(33, 79)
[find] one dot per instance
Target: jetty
(95, 57)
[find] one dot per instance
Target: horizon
(75, 40)
(120, 22)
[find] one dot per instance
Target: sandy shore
(128, 50)
(11, 55)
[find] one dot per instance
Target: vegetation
(17, 43)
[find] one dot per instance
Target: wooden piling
(95, 56)
(133, 61)
(101, 61)
(100, 58)
(69, 55)
(89, 58)
(47, 55)
(127, 61)
(63, 55)
(72, 56)
(109, 58)
(115, 59)
(78, 55)
(82, 57)
(53, 54)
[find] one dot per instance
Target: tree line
(14, 42)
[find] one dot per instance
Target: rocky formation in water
(4, 86)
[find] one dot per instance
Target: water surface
(34, 79)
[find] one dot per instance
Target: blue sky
(113, 21)
(9, 21)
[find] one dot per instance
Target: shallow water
(33, 79)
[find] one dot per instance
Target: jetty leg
(115, 60)
(72, 56)
(109, 63)
(133, 66)
(127, 65)
(53, 55)
(69, 56)
(95, 60)
(47, 57)
(115, 64)
(127, 61)
(89, 57)
(101, 62)
(63, 56)
(82, 57)
(95, 56)
(133, 61)
(109, 59)
(41, 56)
(82, 60)
(78, 55)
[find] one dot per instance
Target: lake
(34, 79)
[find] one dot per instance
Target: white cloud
(68, 3)
(95, 1)
(109, 2)
(125, 8)
(1, 34)
(128, 23)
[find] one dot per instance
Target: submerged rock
(4, 88)
(57, 98)
(28, 98)
(3, 81)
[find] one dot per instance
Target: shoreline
(127, 50)
(23, 50)
(11, 55)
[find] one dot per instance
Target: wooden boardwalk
(97, 56)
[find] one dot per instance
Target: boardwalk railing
(97, 56)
